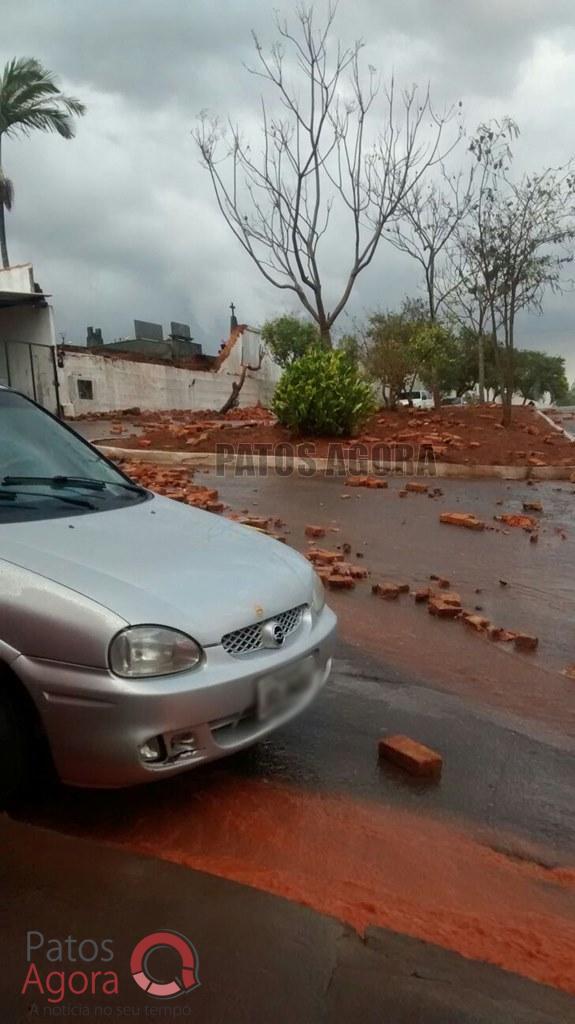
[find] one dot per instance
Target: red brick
(500, 635)
(417, 488)
(323, 557)
(519, 521)
(443, 609)
(477, 622)
(410, 755)
(390, 590)
(525, 642)
(338, 581)
(465, 519)
(365, 481)
(315, 531)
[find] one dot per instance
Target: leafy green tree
(475, 365)
(323, 394)
(30, 101)
(289, 338)
(388, 351)
(437, 357)
(537, 374)
(351, 345)
(569, 398)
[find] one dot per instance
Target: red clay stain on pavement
(455, 660)
(368, 865)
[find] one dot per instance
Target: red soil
(471, 435)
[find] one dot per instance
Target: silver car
(138, 636)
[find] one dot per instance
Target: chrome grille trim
(249, 639)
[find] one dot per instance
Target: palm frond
(31, 100)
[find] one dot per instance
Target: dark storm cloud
(121, 221)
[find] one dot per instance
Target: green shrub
(289, 338)
(324, 394)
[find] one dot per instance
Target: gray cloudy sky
(121, 222)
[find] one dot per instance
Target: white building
(27, 340)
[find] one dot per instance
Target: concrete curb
(556, 426)
(441, 470)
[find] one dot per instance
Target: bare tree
(465, 303)
(430, 215)
(521, 235)
(233, 401)
(278, 200)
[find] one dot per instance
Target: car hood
(165, 563)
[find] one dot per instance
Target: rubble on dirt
(410, 755)
(173, 483)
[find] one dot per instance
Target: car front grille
(250, 639)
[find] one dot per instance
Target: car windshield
(46, 470)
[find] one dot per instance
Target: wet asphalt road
(260, 958)
(509, 765)
(508, 783)
(503, 777)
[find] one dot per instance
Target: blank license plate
(277, 692)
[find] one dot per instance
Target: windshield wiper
(70, 481)
(12, 496)
(54, 481)
(78, 502)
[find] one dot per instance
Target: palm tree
(30, 100)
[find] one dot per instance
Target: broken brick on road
(315, 531)
(464, 519)
(366, 481)
(410, 755)
(525, 642)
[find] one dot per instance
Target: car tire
(20, 754)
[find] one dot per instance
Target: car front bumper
(96, 723)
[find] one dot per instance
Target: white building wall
(17, 279)
(123, 384)
(31, 324)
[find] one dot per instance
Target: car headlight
(141, 651)
(318, 597)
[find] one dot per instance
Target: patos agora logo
(142, 967)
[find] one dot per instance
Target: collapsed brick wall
(118, 384)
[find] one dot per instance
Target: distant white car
(416, 400)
